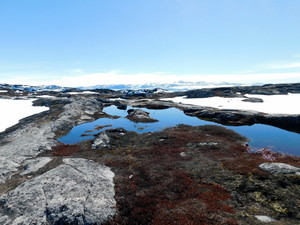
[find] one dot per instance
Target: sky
(90, 42)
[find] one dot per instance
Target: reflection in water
(260, 135)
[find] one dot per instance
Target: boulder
(122, 106)
(101, 141)
(139, 116)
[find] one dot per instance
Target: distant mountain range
(30, 88)
(176, 86)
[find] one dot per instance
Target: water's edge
(260, 135)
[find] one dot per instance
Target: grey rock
(78, 192)
(138, 115)
(254, 100)
(152, 104)
(241, 117)
(122, 106)
(7, 168)
(280, 168)
(101, 141)
(33, 165)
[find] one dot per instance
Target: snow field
(273, 104)
(11, 111)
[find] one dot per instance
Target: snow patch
(273, 104)
(46, 96)
(82, 93)
(14, 110)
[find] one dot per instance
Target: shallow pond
(260, 135)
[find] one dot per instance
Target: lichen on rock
(79, 191)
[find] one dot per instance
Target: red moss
(247, 162)
(159, 193)
(154, 190)
(66, 150)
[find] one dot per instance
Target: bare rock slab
(79, 191)
(33, 165)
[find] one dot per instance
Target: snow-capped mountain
(175, 86)
(159, 87)
(30, 88)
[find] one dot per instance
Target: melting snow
(14, 110)
(273, 104)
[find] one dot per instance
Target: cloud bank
(115, 77)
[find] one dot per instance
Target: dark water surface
(260, 135)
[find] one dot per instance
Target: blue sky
(84, 42)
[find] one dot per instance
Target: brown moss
(156, 185)
(248, 163)
(156, 191)
(66, 150)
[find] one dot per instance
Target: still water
(259, 135)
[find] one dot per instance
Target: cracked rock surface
(79, 191)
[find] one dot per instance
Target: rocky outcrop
(139, 116)
(77, 192)
(225, 117)
(122, 106)
(153, 104)
(287, 122)
(212, 92)
(101, 141)
(280, 168)
(240, 117)
(238, 91)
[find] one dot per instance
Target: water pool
(260, 135)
